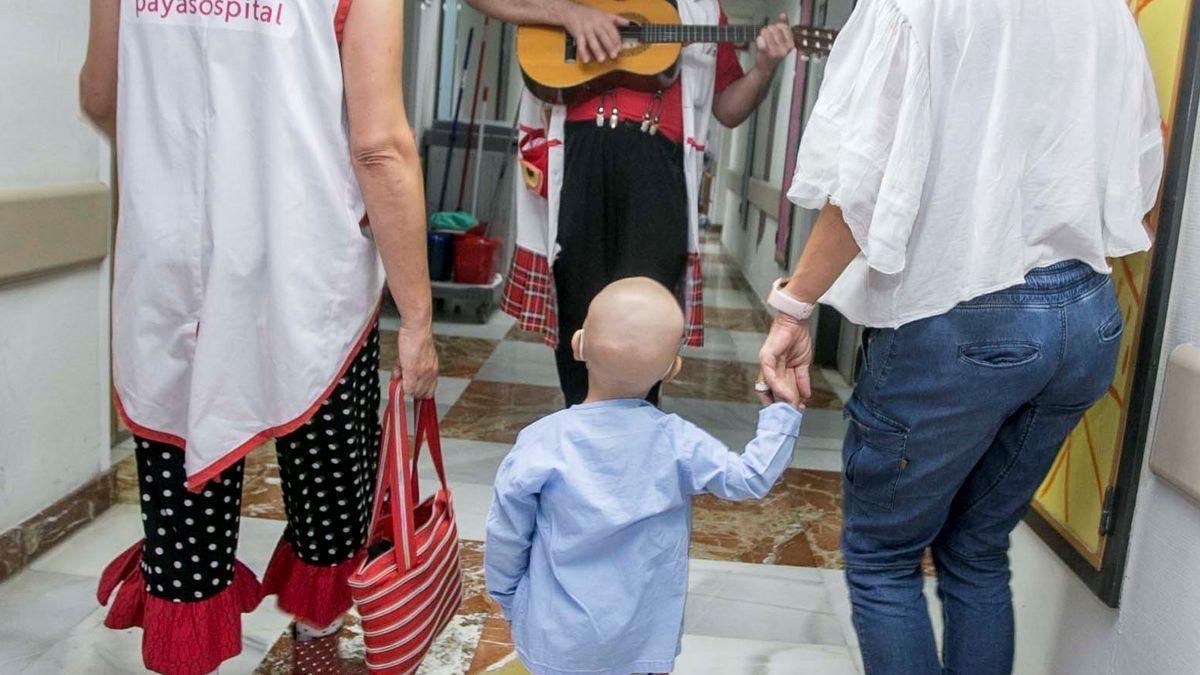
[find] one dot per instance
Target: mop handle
(478, 165)
(454, 124)
(511, 143)
(462, 183)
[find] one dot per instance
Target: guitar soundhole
(633, 48)
(629, 47)
(630, 44)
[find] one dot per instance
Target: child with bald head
(587, 535)
(630, 339)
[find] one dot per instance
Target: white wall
(1062, 628)
(1157, 630)
(41, 137)
(54, 402)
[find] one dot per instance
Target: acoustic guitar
(649, 57)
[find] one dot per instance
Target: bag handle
(429, 433)
(393, 488)
(397, 488)
(382, 472)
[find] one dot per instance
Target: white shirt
(970, 142)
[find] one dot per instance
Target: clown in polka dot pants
(327, 472)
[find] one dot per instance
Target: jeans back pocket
(873, 457)
(1112, 328)
(999, 353)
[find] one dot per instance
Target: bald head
(631, 336)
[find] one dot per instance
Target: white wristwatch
(783, 302)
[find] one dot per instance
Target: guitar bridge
(569, 51)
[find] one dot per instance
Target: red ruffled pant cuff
(315, 594)
(180, 638)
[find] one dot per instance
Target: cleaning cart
(469, 219)
(469, 248)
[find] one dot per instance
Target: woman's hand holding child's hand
(787, 392)
(785, 358)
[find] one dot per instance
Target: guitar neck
(687, 34)
(657, 33)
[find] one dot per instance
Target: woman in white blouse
(975, 165)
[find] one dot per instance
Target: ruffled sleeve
(1136, 168)
(867, 144)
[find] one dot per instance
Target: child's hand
(789, 395)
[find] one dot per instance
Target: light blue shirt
(587, 535)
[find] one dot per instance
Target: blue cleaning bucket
(441, 256)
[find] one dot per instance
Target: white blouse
(970, 142)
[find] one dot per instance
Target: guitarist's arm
(734, 104)
(595, 32)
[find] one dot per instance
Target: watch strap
(784, 302)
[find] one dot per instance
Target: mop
(478, 166)
(454, 125)
(462, 183)
(495, 201)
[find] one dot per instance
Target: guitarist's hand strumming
(595, 32)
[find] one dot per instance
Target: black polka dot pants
(327, 473)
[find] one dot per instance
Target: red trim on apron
(195, 483)
(339, 19)
(144, 432)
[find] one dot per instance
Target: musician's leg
(582, 267)
(648, 198)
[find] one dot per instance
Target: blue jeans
(952, 426)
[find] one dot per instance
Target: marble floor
(765, 595)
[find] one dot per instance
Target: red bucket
(475, 259)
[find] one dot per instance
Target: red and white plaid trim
(529, 297)
(693, 302)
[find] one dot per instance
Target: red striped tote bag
(410, 583)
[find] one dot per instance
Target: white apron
(537, 218)
(243, 282)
